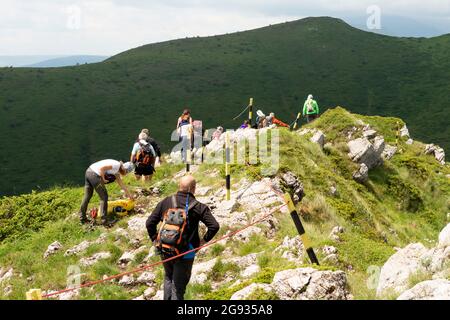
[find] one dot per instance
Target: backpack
(173, 237)
(145, 155)
(310, 106)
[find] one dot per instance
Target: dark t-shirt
(200, 212)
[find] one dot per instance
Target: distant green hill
(55, 122)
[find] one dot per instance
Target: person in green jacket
(310, 109)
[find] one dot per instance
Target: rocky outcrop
(404, 132)
(6, 274)
(52, 249)
(78, 249)
(413, 260)
(437, 152)
(311, 284)
(364, 151)
(336, 232)
(87, 262)
(291, 249)
(292, 182)
(361, 175)
(428, 290)
(389, 152)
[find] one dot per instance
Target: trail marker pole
(301, 231)
(250, 111)
(227, 165)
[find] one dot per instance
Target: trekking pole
(227, 165)
(296, 121)
(301, 231)
(250, 111)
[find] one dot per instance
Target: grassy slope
(68, 117)
(406, 200)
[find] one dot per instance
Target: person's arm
(317, 107)
(153, 220)
(178, 122)
(123, 186)
(280, 123)
(304, 107)
(103, 172)
(210, 222)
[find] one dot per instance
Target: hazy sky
(106, 27)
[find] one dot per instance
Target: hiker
(97, 175)
(245, 125)
(143, 156)
(185, 131)
(260, 120)
(154, 144)
(272, 120)
(216, 134)
(311, 109)
(178, 271)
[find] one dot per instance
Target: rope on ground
(229, 235)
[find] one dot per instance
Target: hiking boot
(83, 220)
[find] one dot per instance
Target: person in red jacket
(272, 120)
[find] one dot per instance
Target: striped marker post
(188, 160)
(250, 111)
(301, 231)
(227, 165)
(296, 121)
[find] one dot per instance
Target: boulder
(79, 248)
(395, 274)
(147, 278)
(250, 271)
(389, 152)
(444, 237)
(363, 151)
(437, 151)
(333, 191)
(318, 138)
(428, 290)
(244, 235)
(292, 182)
(409, 141)
(310, 284)
(335, 232)
(52, 249)
(291, 249)
(200, 271)
(149, 293)
(159, 295)
(6, 274)
(404, 132)
(245, 293)
(369, 134)
(127, 281)
(361, 175)
(243, 262)
(434, 261)
(87, 262)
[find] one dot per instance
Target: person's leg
(168, 278)
(103, 194)
(181, 276)
(184, 144)
(88, 191)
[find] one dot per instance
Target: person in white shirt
(99, 174)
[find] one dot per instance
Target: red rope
(93, 283)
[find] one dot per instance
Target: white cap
(128, 166)
(260, 113)
(310, 96)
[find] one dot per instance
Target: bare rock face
(404, 132)
(319, 138)
(311, 284)
(428, 290)
(80, 248)
(335, 232)
(389, 152)
(444, 237)
(52, 249)
(291, 181)
(291, 249)
(361, 175)
(363, 151)
(437, 151)
(395, 273)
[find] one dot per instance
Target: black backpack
(173, 238)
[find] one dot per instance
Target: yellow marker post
(34, 294)
(250, 111)
(227, 165)
(299, 115)
(301, 231)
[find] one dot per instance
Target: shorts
(144, 170)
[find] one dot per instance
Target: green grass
(215, 76)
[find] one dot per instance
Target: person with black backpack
(179, 216)
(143, 156)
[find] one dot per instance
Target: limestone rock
(369, 134)
(335, 232)
(444, 237)
(409, 141)
(428, 290)
(127, 281)
(52, 249)
(395, 273)
(147, 278)
(245, 235)
(361, 175)
(245, 293)
(404, 132)
(437, 151)
(250, 271)
(86, 262)
(291, 181)
(363, 151)
(78, 249)
(149, 293)
(389, 152)
(318, 138)
(6, 274)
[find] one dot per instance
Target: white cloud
(111, 26)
